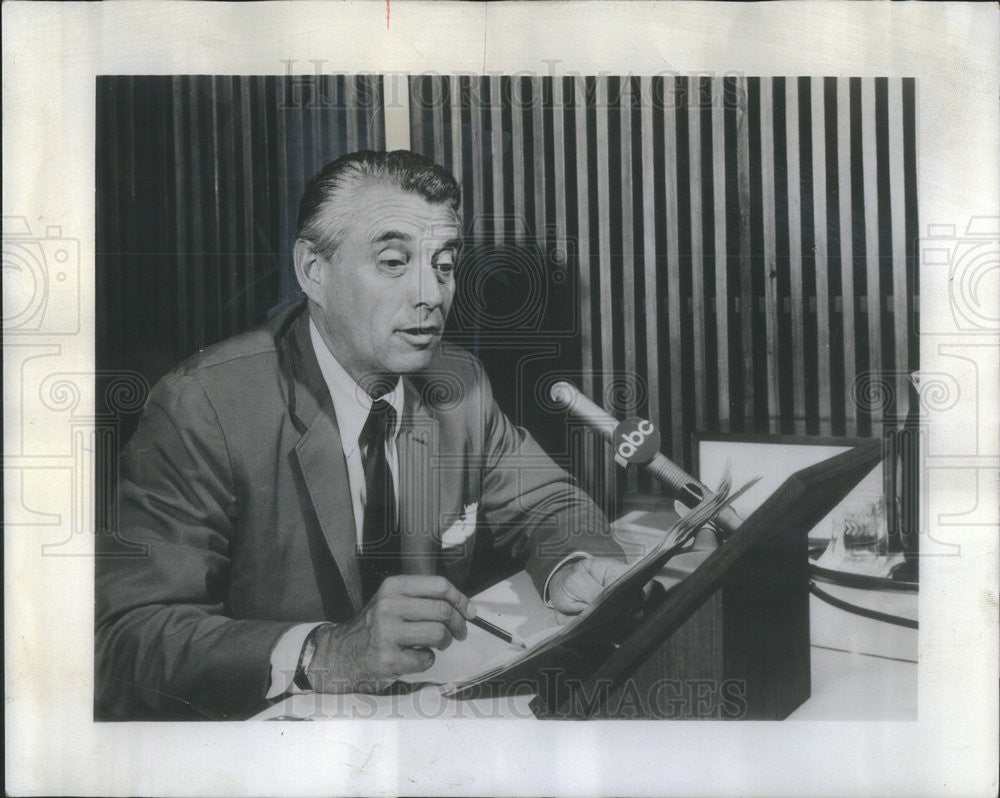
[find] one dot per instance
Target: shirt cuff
(576, 555)
(285, 659)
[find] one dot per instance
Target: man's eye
(445, 263)
(392, 259)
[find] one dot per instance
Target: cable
(863, 581)
(862, 611)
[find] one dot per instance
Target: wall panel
(728, 254)
(198, 182)
(740, 246)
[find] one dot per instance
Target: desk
(860, 669)
(846, 685)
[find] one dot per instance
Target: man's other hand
(577, 584)
(392, 636)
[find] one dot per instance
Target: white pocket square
(462, 529)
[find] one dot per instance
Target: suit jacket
(236, 520)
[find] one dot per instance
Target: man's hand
(577, 584)
(391, 636)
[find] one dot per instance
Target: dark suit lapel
(417, 445)
(320, 454)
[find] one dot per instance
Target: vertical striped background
(745, 247)
(723, 254)
(198, 184)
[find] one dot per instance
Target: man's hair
(320, 224)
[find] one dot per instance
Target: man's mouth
(421, 335)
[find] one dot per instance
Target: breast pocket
(458, 542)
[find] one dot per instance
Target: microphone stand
(683, 487)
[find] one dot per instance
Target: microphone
(637, 440)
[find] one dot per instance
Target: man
(300, 504)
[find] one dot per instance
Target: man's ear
(308, 270)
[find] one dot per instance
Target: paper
(513, 605)
(613, 601)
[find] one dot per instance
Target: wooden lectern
(729, 642)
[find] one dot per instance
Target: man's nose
(426, 289)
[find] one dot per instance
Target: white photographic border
(52, 53)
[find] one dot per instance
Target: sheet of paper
(515, 606)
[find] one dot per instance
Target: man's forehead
(385, 210)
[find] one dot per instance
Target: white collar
(351, 402)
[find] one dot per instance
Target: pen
(496, 631)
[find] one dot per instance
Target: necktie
(380, 551)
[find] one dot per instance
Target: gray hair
(408, 171)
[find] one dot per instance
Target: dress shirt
(352, 405)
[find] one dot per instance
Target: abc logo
(637, 440)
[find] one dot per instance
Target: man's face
(384, 297)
